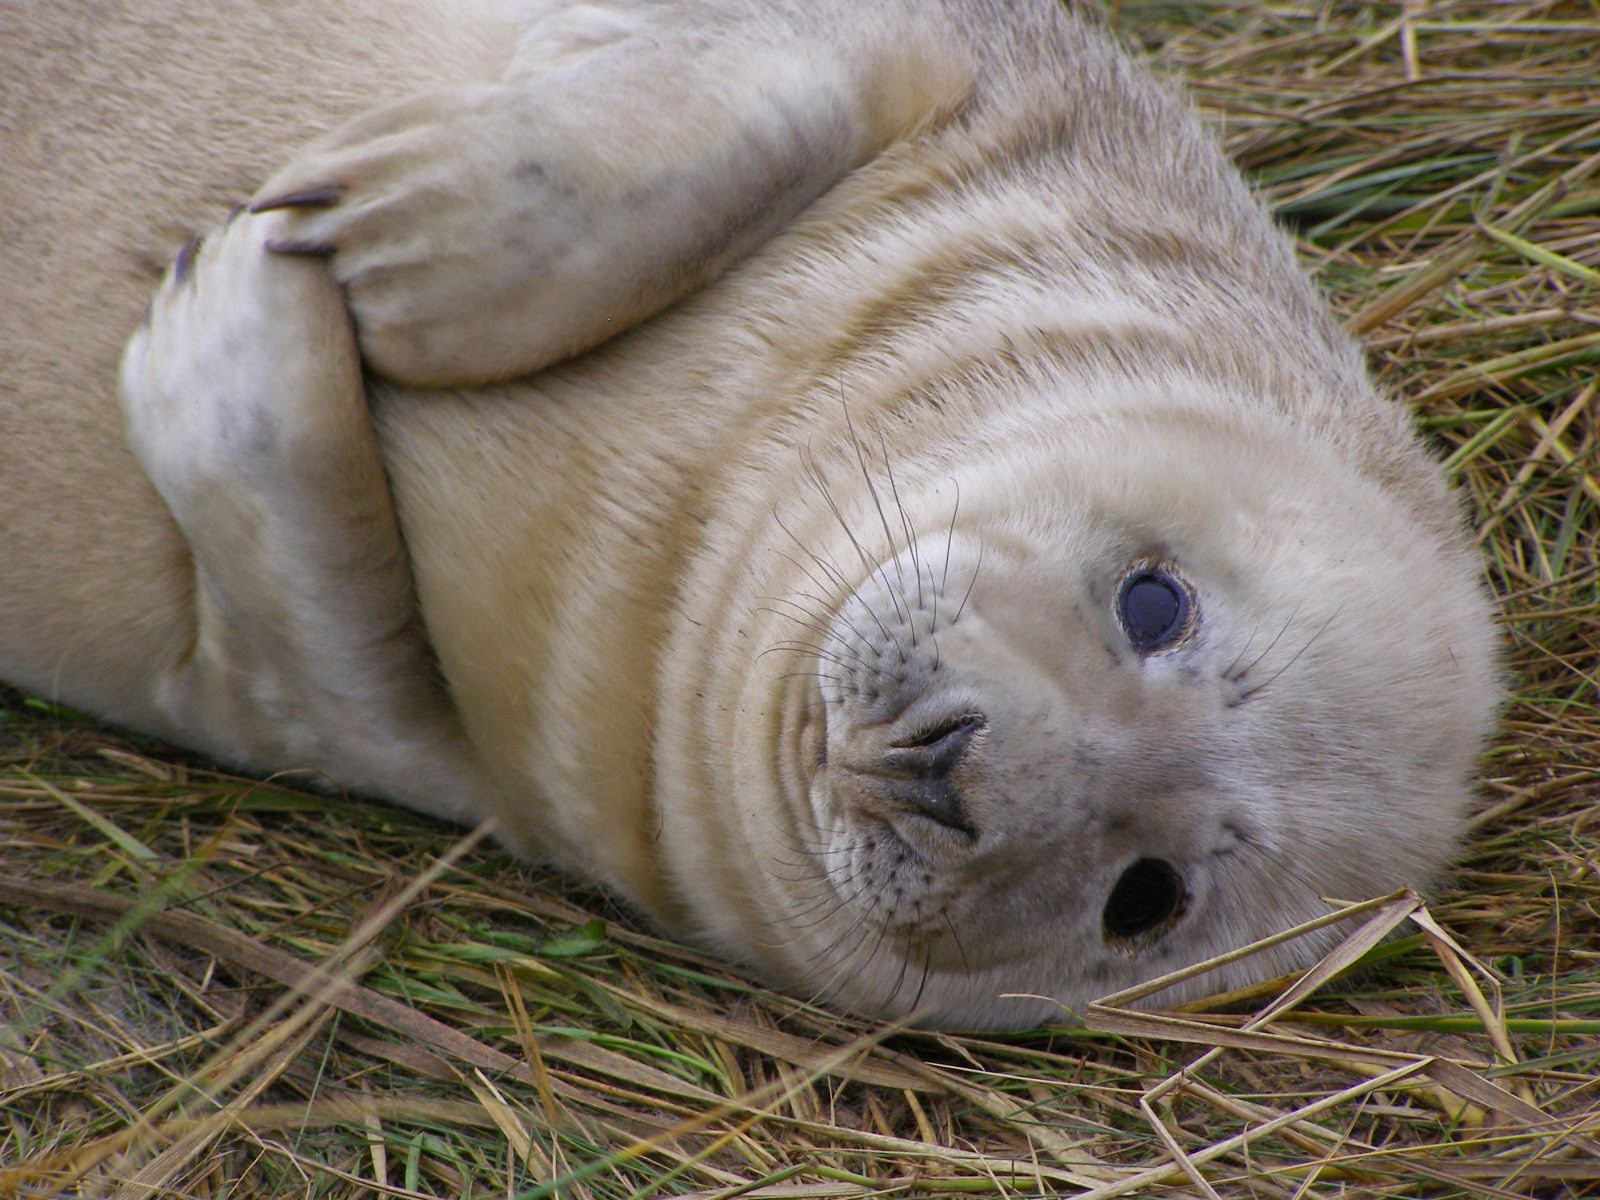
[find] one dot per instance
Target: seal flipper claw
(312, 197)
(183, 264)
(301, 249)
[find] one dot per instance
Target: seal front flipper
(628, 154)
(243, 402)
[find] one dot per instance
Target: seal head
(1139, 696)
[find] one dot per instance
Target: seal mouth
(1147, 901)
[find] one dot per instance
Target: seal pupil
(1153, 608)
(1146, 896)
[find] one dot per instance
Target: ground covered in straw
(218, 987)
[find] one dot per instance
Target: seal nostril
(1147, 897)
(919, 769)
(933, 751)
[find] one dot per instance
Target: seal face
(1095, 729)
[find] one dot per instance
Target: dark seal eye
(1153, 608)
(1148, 897)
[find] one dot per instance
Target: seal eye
(1153, 608)
(1147, 897)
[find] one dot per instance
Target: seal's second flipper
(630, 153)
(244, 403)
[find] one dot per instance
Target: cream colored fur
(971, 320)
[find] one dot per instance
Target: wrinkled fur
(644, 606)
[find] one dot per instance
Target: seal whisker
(978, 566)
(831, 569)
(848, 959)
(863, 911)
(816, 850)
(897, 594)
(933, 623)
(834, 615)
(906, 524)
(1227, 671)
(950, 537)
(795, 646)
(872, 957)
(819, 962)
(894, 588)
(835, 576)
(818, 912)
(808, 626)
(806, 865)
(1255, 691)
(818, 616)
(826, 613)
(944, 575)
(826, 893)
(811, 851)
(834, 901)
(955, 936)
(1274, 867)
(821, 847)
(922, 982)
(899, 979)
(871, 565)
(822, 652)
(852, 866)
(1288, 621)
(827, 634)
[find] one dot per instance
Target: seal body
(990, 570)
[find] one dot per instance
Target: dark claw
(303, 249)
(184, 263)
(317, 197)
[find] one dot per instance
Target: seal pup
(988, 570)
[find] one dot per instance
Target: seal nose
(922, 765)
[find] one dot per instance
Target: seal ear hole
(1147, 899)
